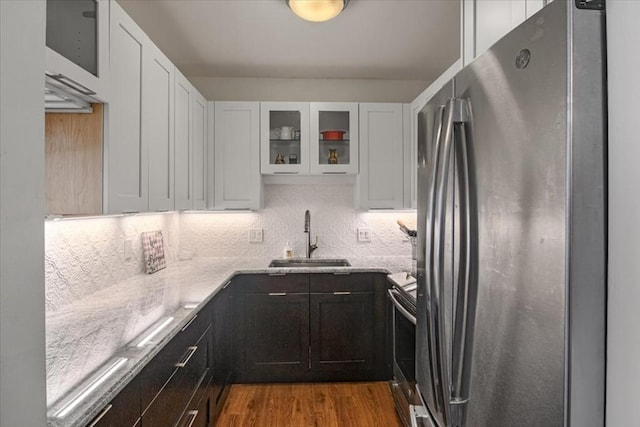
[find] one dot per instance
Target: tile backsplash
(85, 255)
(334, 222)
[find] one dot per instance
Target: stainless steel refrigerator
(512, 236)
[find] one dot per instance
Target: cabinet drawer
(191, 372)
(270, 283)
(163, 365)
(351, 282)
(123, 410)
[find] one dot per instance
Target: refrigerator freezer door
(518, 95)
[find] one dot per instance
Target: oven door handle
(400, 308)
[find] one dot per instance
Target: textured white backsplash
(85, 255)
(333, 220)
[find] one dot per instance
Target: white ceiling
(371, 39)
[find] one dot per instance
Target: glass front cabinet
(309, 138)
(284, 136)
(334, 138)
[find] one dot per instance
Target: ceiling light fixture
(317, 10)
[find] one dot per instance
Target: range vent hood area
(59, 99)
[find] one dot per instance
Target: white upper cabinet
(77, 52)
(157, 118)
(284, 137)
(237, 155)
(182, 95)
(486, 21)
(382, 157)
(126, 156)
(199, 150)
(333, 138)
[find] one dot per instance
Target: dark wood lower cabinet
(311, 327)
(223, 359)
(342, 335)
(274, 337)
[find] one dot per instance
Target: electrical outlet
(255, 235)
(127, 249)
(364, 234)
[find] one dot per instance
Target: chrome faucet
(307, 229)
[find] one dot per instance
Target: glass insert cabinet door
(284, 136)
(334, 138)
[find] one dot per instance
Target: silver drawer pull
(342, 293)
(190, 353)
(226, 284)
(277, 274)
(193, 415)
(101, 415)
(341, 273)
(277, 294)
(188, 323)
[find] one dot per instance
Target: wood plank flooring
(364, 404)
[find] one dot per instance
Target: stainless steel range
(403, 384)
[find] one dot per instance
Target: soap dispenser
(288, 252)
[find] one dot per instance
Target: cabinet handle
(342, 293)
(334, 173)
(226, 284)
(101, 415)
(277, 274)
(188, 323)
(192, 415)
(190, 353)
(61, 78)
(341, 273)
(277, 294)
(286, 173)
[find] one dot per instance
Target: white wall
(319, 90)
(623, 338)
(22, 326)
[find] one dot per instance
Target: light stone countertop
(88, 335)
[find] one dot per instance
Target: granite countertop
(107, 325)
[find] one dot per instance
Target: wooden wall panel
(73, 147)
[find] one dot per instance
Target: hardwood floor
(366, 404)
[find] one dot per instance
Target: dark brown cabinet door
(274, 336)
(124, 409)
(342, 334)
(222, 349)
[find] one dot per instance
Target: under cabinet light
(155, 332)
(91, 387)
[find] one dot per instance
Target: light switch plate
(364, 234)
(255, 235)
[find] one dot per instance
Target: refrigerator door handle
(440, 400)
(464, 311)
(438, 287)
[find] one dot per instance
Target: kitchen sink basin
(305, 262)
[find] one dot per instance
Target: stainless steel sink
(306, 262)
